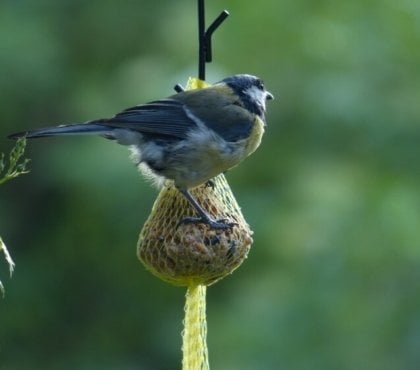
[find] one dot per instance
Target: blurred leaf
(8, 260)
(17, 164)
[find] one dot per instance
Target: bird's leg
(203, 215)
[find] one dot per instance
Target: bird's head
(250, 90)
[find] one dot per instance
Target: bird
(188, 138)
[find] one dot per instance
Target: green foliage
(16, 165)
(15, 168)
(9, 261)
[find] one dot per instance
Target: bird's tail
(73, 129)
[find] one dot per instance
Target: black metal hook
(217, 22)
(204, 38)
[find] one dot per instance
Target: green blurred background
(333, 278)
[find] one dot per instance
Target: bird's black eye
(260, 84)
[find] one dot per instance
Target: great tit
(187, 138)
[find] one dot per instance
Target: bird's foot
(221, 224)
(210, 184)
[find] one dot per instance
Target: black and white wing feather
(166, 118)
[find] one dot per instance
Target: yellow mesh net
(194, 254)
(191, 254)
(194, 344)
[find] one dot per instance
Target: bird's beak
(269, 95)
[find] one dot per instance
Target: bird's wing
(221, 110)
(216, 106)
(166, 117)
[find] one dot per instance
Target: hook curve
(204, 38)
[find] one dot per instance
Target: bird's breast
(254, 139)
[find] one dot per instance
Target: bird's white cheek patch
(256, 95)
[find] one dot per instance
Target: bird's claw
(210, 184)
(221, 224)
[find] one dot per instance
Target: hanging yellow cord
(194, 336)
(194, 343)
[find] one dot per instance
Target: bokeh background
(333, 278)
